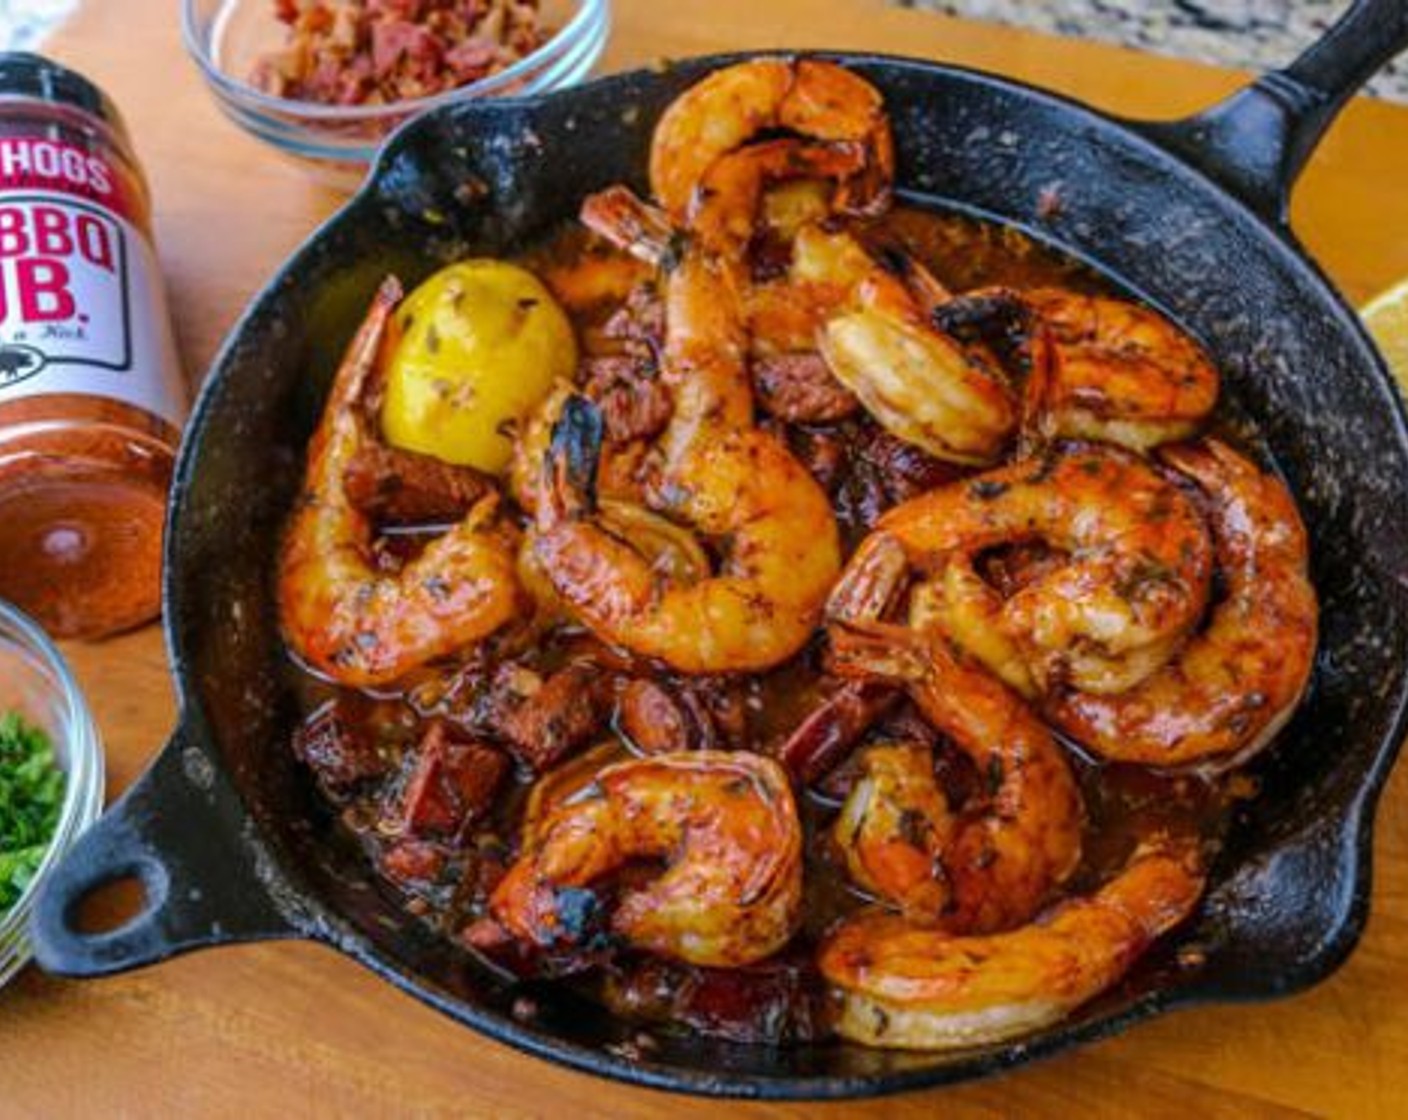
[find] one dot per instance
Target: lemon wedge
(1386, 316)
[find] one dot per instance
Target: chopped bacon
(337, 744)
(697, 714)
(452, 785)
(396, 487)
(723, 703)
(801, 389)
(471, 56)
(641, 319)
(403, 45)
(545, 720)
(881, 471)
(904, 471)
(407, 862)
(776, 1001)
(352, 52)
(654, 719)
(633, 401)
(824, 739)
(823, 452)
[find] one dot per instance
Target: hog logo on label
(18, 362)
(63, 287)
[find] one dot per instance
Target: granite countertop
(25, 23)
(1252, 34)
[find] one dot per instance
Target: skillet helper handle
(177, 832)
(1257, 141)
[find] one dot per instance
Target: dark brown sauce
(1122, 803)
(967, 253)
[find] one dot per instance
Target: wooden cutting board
(292, 1029)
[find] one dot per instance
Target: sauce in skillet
(369, 751)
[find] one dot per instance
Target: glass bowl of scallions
(51, 772)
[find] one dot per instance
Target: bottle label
(39, 164)
(82, 306)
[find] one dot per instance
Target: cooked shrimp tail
(354, 376)
(873, 583)
(631, 224)
(862, 649)
(573, 458)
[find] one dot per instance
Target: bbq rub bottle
(91, 392)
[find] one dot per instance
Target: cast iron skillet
(231, 842)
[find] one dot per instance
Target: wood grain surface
(295, 1030)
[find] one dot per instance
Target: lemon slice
(1386, 316)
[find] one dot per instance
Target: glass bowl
(336, 143)
(35, 681)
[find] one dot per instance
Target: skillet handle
(178, 832)
(1257, 141)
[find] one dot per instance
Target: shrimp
(718, 474)
(593, 278)
(724, 822)
(917, 381)
(724, 213)
(620, 475)
(1233, 686)
(816, 100)
(990, 866)
(704, 362)
(339, 613)
(906, 987)
(709, 175)
(894, 827)
(742, 488)
(1112, 370)
(1137, 580)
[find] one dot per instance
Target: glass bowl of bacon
(325, 81)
